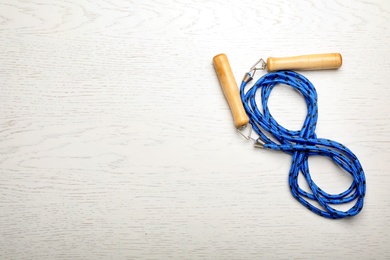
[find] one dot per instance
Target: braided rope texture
(304, 143)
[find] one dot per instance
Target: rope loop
(304, 143)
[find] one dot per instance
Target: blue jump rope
(299, 144)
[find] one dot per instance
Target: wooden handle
(230, 89)
(306, 62)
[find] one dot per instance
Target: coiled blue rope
(304, 143)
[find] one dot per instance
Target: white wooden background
(116, 141)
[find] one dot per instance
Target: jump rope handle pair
(303, 62)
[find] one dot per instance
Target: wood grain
(116, 140)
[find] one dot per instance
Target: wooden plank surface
(116, 141)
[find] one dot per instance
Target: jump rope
(299, 144)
